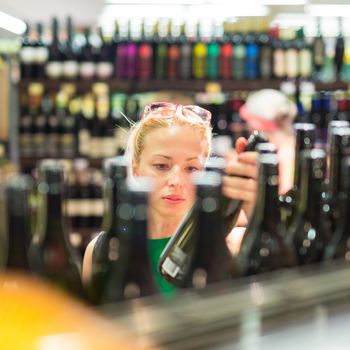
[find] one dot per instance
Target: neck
(160, 227)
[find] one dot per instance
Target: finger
(241, 144)
(243, 195)
(240, 183)
(248, 157)
(241, 169)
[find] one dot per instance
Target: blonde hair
(140, 130)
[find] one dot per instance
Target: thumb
(241, 144)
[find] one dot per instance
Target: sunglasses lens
(159, 109)
(166, 110)
(197, 112)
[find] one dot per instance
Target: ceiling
(90, 12)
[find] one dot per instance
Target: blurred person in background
(169, 144)
(271, 112)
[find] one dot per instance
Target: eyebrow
(167, 157)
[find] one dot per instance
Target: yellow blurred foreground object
(35, 316)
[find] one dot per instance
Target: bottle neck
(310, 192)
(267, 212)
(110, 219)
(51, 221)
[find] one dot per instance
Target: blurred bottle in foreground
(51, 254)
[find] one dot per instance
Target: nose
(175, 177)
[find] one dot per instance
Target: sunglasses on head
(167, 110)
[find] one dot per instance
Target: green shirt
(155, 248)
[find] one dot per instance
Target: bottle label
(95, 147)
(170, 267)
(73, 207)
(279, 69)
(54, 69)
(41, 55)
(52, 145)
(319, 52)
(97, 207)
(70, 69)
(84, 142)
(87, 70)
(85, 207)
(305, 63)
(25, 141)
(265, 62)
(104, 70)
(292, 68)
(27, 55)
(39, 143)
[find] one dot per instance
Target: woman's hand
(242, 168)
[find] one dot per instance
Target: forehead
(176, 140)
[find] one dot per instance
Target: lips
(173, 199)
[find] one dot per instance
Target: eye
(192, 169)
(161, 166)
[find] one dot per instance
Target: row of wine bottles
(96, 124)
(172, 52)
(68, 126)
(309, 224)
(44, 248)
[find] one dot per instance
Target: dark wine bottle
(18, 190)
(292, 57)
(145, 55)
(210, 261)
(87, 69)
(319, 51)
(308, 233)
(41, 54)
(305, 55)
(265, 64)
(106, 249)
(104, 66)
(70, 53)
(339, 149)
(178, 252)
(27, 56)
(266, 148)
(339, 50)
(51, 254)
(339, 246)
(232, 207)
(264, 247)
(131, 274)
(185, 54)
(54, 65)
(304, 140)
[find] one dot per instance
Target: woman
(169, 143)
(271, 112)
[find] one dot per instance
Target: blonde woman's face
(170, 156)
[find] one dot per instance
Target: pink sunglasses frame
(190, 111)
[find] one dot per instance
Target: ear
(135, 168)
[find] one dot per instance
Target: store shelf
(132, 86)
(28, 163)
